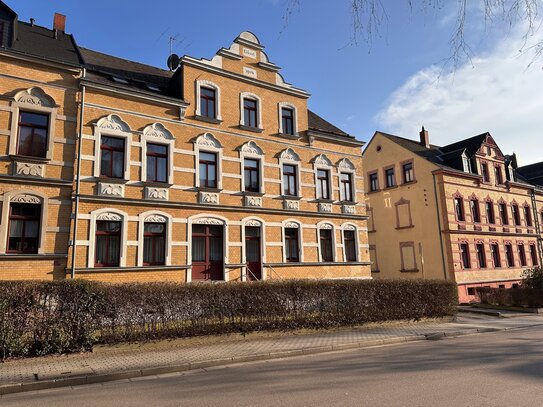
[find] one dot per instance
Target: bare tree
(369, 18)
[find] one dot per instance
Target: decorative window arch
(293, 224)
(287, 105)
(208, 143)
(326, 225)
(323, 163)
(156, 133)
(33, 100)
(207, 219)
(113, 126)
(249, 95)
(155, 217)
(251, 150)
(24, 197)
(208, 84)
(350, 227)
(107, 214)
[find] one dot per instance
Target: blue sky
(395, 84)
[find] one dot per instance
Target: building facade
(215, 170)
(459, 212)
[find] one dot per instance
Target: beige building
(458, 212)
(215, 170)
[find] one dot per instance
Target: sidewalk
(129, 361)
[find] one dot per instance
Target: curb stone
(13, 388)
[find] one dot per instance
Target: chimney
(424, 138)
(32, 21)
(59, 22)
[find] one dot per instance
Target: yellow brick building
(459, 212)
(215, 170)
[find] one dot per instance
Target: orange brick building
(461, 212)
(216, 170)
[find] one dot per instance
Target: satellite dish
(173, 62)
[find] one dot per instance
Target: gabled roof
(470, 145)
(40, 42)
(317, 123)
(532, 173)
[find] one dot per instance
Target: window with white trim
(208, 100)
(113, 141)
(288, 119)
(208, 161)
(250, 111)
(252, 158)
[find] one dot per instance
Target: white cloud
(498, 94)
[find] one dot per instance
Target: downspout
(78, 175)
(439, 228)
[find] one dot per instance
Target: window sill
(409, 271)
(409, 183)
(373, 192)
(250, 128)
(347, 203)
(294, 136)
(392, 187)
(405, 227)
(29, 158)
(207, 119)
(291, 197)
(206, 189)
(323, 200)
(157, 184)
(111, 180)
(252, 193)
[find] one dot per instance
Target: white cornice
(43, 61)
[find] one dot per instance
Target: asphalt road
(493, 369)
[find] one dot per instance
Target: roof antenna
(173, 59)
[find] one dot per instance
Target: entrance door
(253, 253)
(207, 252)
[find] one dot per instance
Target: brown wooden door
(207, 252)
(253, 253)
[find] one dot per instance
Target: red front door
(253, 253)
(207, 252)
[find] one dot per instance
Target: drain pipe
(78, 175)
(439, 229)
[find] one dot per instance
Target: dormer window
(511, 172)
(466, 163)
(485, 173)
(499, 176)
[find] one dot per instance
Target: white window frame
(328, 226)
(23, 196)
(207, 143)
(355, 229)
(466, 163)
(157, 134)
(208, 84)
(249, 95)
(33, 100)
(256, 222)
(155, 217)
(294, 224)
(282, 105)
(252, 151)
(289, 157)
(322, 162)
(207, 219)
(112, 126)
(346, 166)
(113, 215)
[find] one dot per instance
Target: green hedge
(38, 318)
(512, 297)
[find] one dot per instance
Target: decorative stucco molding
(155, 218)
(160, 194)
(208, 197)
(109, 216)
(348, 209)
(292, 205)
(289, 155)
(346, 164)
(207, 140)
(207, 221)
(325, 207)
(29, 169)
(253, 201)
(35, 96)
(251, 148)
(113, 122)
(26, 198)
(110, 189)
(157, 130)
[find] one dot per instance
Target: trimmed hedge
(38, 318)
(512, 297)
